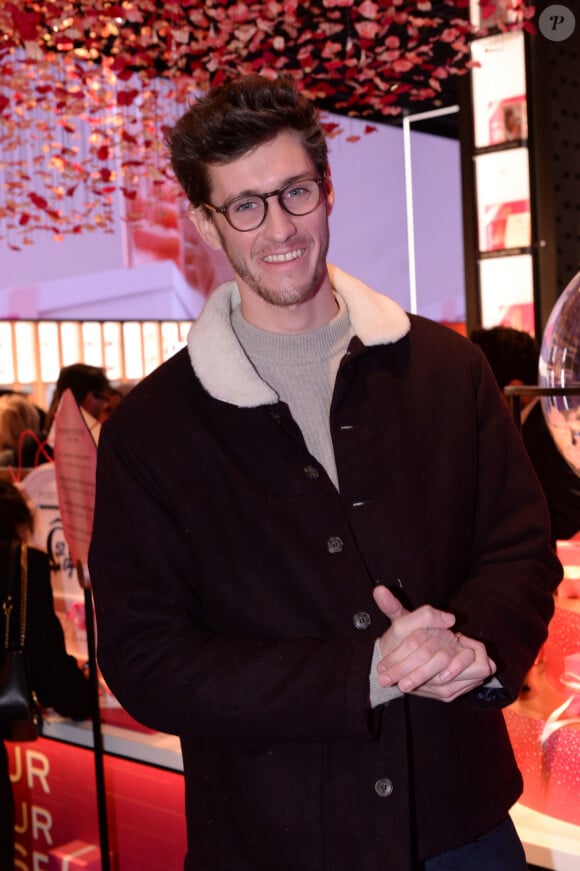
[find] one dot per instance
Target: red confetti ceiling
(87, 87)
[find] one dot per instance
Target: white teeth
(282, 258)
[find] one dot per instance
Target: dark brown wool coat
(230, 576)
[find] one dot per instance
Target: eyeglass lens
(298, 198)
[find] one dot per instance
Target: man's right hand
(422, 654)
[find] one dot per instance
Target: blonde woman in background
(20, 432)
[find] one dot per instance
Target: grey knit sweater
(302, 369)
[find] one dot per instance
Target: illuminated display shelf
(33, 352)
(509, 228)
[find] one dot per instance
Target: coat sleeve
(506, 600)
(160, 658)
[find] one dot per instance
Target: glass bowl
(559, 367)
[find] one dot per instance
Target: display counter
(54, 784)
(54, 777)
(145, 746)
(53, 781)
(548, 842)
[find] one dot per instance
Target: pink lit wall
(86, 276)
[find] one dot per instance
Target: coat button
(384, 787)
(311, 472)
(361, 620)
(334, 544)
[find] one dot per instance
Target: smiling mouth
(284, 258)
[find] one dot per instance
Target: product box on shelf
(75, 855)
(508, 120)
(507, 225)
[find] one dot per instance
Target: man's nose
(279, 223)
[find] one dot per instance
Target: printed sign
(75, 460)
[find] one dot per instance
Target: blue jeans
(498, 850)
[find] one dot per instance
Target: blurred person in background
(513, 356)
(55, 677)
(116, 395)
(20, 432)
(91, 389)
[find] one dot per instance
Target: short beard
(285, 297)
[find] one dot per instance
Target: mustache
(283, 247)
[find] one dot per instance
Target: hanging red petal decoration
(38, 201)
(26, 23)
(125, 98)
(99, 81)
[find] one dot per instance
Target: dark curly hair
(512, 354)
(234, 118)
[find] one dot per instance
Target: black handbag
(19, 711)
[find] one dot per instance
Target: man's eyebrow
(251, 192)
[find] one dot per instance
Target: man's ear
(205, 226)
(329, 192)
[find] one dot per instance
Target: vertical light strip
(6, 354)
(133, 349)
(26, 353)
(71, 345)
(151, 346)
(49, 368)
(32, 353)
(409, 213)
(112, 350)
(407, 120)
(92, 350)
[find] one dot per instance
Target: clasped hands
(422, 655)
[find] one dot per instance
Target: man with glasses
(320, 555)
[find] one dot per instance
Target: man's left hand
(456, 667)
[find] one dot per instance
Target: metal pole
(96, 718)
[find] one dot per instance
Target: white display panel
(507, 292)
(70, 335)
(92, 345)
(7, 374)
(499, 89)
(487, 15)
(502, 181)
(151, 347)
(87, 277)
(48, 349)
(133, 345)
(112, 342)
(32, 353)
(25, 341)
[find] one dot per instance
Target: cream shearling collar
(221, 364)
